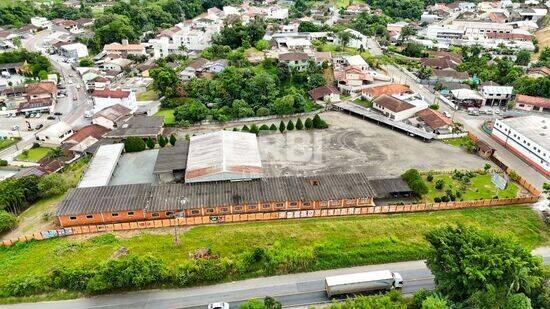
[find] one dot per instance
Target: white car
(221, 305)
(447, 114)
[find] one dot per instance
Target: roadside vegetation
(34, 154)
(79, 267)
(6, 142)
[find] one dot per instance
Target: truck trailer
(362, 282)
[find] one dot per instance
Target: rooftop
(393, 104)
(535, 128)
(111, 93)
(139, 125)
(378, 90)
(223, 155)
(535, 101)
(171, 159)
(102, 166)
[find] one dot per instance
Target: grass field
(457, 141)
(34, 155)
(149, 95)
(363, 102)
(5, 143)
(481, 187)
(168, 115)
(334, 242)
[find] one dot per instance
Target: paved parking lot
(355, 145)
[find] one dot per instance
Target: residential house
(193, 69)
(41, 22)
(39, 97)
(74, 51)
(117, 65)
(398, 107)
(530, 103)
(325, 94)
(113, 116)
(84, 137)
(352, 79)
(358, 40)
(108, 97)
(54, 134)
(435, 121)
(295, 60)
(372, 92)
(124, 49)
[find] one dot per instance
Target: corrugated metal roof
(278, 189)
(223, 155)
(172, 158)
(103, 165)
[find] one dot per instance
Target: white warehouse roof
(223, 155)
(103, 165)
(534, 127)
(56, 129)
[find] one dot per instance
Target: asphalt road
(471, 123)
(291, 290)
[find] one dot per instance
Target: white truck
(362, 282)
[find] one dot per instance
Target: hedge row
(315, 123)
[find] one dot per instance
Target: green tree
(254, 129)
(299, 124)
(523, 57)
(283, 105)
(56, 152)
(111, 28)
(319, 123)
(134, 144)
(434, 302)
(150, 143)
(86, 62)
(241, 109)
(262, 45)
(273, 127)
(173, 139)
(7, 221)
(466, 261)
(308, 124)
(165, 80)
(406, 32)
(245, 128)
(263, 111)
(43, 75)
(282, 127)
(290, 125)
(192, 111)
(486, 167)
(161, 140)
(425, 72)
(52, 184)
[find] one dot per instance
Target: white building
(54, 134)
(399, 107)
(41, 22)
(496, 94)
(74, 51)
(528, 138)
(104, 98)
(277, 13)
(358, 40)
(102, 166)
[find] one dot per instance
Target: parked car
(58, 113)
(40, 126)
(51, 118)
(220, 305)
(447, 114)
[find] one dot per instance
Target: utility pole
(176, 216)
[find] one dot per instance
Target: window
(252, 207)
(334, 203)
(195, 211)
(210, 210)
(323, 204)
(315, 182)
(306, 204)
(130, 213)
(169, 213)
(350, 201)
(155, 214)
(266, 206)
(280, 205)
(114, 214)
(238, 208)
(72, 218)
(293, 205)
(224, 209)
(89, 217)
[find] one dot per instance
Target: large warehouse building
(528, 137)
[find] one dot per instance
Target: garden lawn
(34, 155)
(457, 141)
(481, 187)
(5, 143)
(363, 102)
(333, 242)
(149, 95)
(168, 115)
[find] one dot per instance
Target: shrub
(513, 175)
(437, 199)
(150, 143)
(263, 111)
(318, 123)
(430, 177)
(418, 298)
(35, 145)
(3, 163)
(290, 125)
(173, 139)
(265, 127)
(282, 127)
(25, 287)
(7, 221)
(235, 129)
(458, 194)
(245, 128)
(52, 184)
(162, 140)
(439, 184)
(415, 182)
(308, 124)
(299, 124)
(273, 127)
(445, 199)
(254, 129)
(134, 144)
(71, 279)
(132, 272)
(203, 271)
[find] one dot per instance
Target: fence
(386, 209)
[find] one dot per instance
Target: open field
(34, 155)
(351, 144)
(480, 187)
(457, 141)
(149, 95)
(168, 115)
(327, 242)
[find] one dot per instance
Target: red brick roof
(393, 104)
(439, 63)
(93, 130)
(294, 56)
(433, 118)
(109, 93)
(377, 91)
(535, 101)
(41, 88)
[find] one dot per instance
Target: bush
(439, 184)
(25, 287)
(444, 199)
(150, 143)
(7, 221)
(162, 140)
(282, 127)
(273, 127)
(71, 279)
(132, 272)
(299, 124)
(3, 163)
(173, 139)
(254, 129)
(134, 144)
(418, 298)
(203, 271)
(308, 124)
(172, 102)
(245, 128)
(318, 123)
(430, 177)
(52, 184)
(437, 199)
(415, 182)
(263, 111)
(290, 125)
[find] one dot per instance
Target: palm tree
(55, 153)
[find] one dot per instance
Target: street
(472, 124)
(290, 290)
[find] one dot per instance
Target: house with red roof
(107, 97)
(530, 103)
